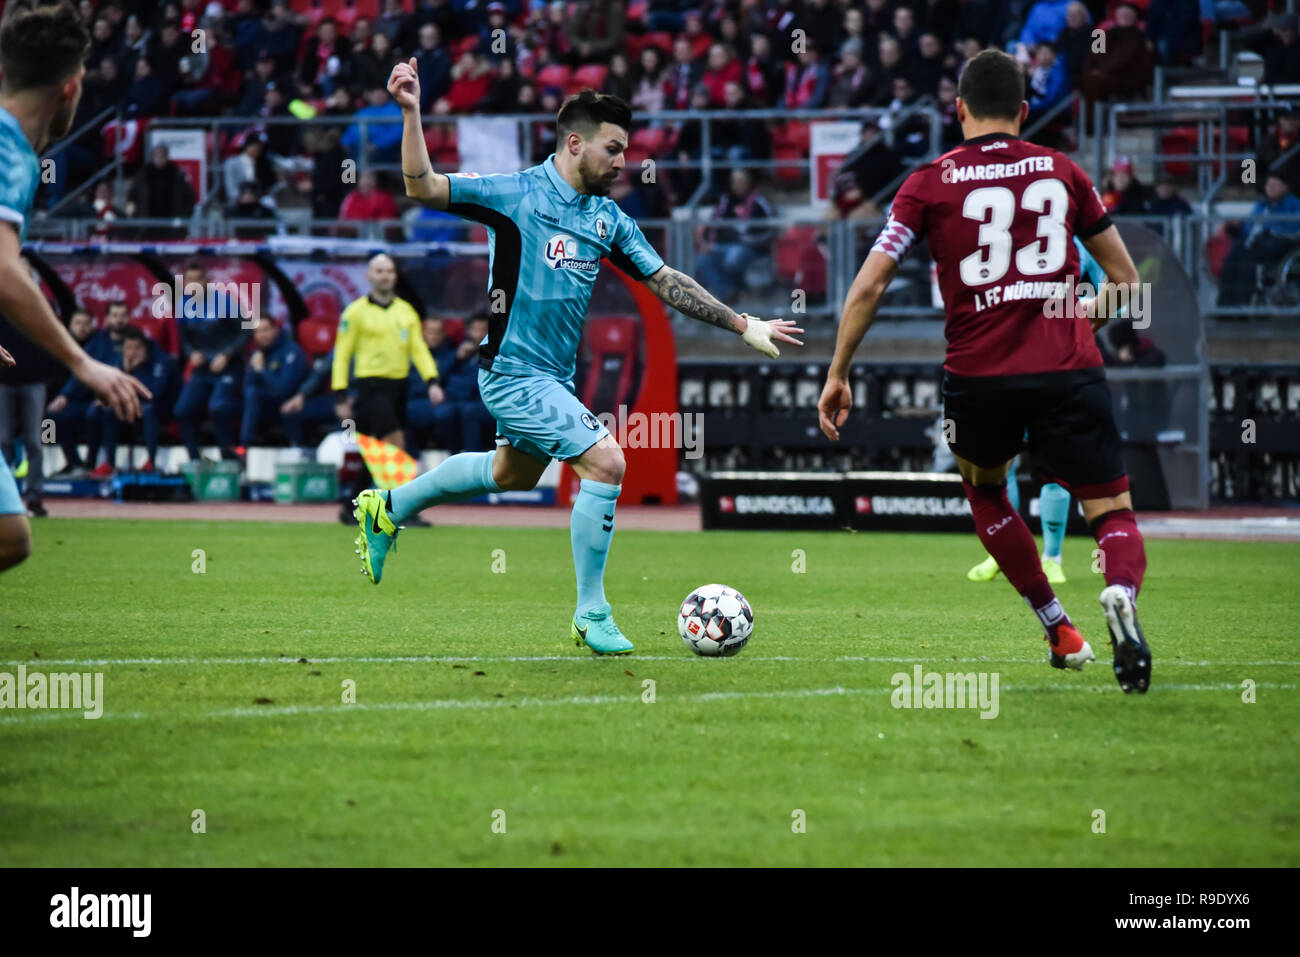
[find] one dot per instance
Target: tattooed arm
(691, 299)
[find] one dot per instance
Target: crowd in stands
(233, 387)
(331, 58)
(301, 59)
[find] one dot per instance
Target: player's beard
(597, 184)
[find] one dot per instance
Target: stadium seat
(1180, 140)
(1217, 248)
(592, 75)
(455, 329)
(553, 74)
(611, 345)
(637, 11)
(800, 261)
(316, 336)
(132, 133)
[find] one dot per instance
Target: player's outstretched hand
(404, 85)
(113, 387)
(759, 334)
(5, 358)
(833, 407)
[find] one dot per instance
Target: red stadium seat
(1216, 251)
(790, 171)
(1180, 140)
(553, 74)
(316, 336)
(800, 261)
(592, 75)
(612, 343)
(455, 329)
(637, 10)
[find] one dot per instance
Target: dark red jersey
(1000, 215)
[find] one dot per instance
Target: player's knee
(15, 543)
(512, 476)
(607, 464)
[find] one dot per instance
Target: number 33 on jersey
(999, 215)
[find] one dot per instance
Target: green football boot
(596, 630)
(378, 532)
(985, 571)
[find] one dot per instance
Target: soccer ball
(715, 621)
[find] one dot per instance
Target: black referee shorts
(1065, 419)
(381, 406)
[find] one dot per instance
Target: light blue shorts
(539, 415)
(11, 503)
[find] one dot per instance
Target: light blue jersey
(20, 174)
(546, 241)
(1088, 268)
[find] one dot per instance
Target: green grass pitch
(531, 752)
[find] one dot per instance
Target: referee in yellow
(382, 333)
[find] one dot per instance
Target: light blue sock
(591, 528)
(1013, 489)
(460, 477)
(1054, 510)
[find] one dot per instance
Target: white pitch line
(579, 658)
(444, 704)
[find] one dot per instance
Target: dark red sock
(1007, 538)
(1123, 556)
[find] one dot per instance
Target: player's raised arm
(422, 183)
(1121, 276)
(24, 305)
(691, 299)
(859, 313)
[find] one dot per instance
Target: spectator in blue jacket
(213, 339)
(383, 140)
(158, 371)
(420, 416)
(275, 370)
(1048, 81)
(461, 420)
(314, 405)
(1044, 24)
(71, 408)
(1261, 242)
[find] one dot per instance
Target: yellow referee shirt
(385, 341)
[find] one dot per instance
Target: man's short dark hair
(116, 303)
(41, 44)
(135, 334)
(584, 112)
(992, 86)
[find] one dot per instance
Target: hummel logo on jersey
(562, 253)
(546, 216)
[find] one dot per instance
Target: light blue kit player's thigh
(539, 415)
(11, 503)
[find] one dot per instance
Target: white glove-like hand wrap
(758, 335)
